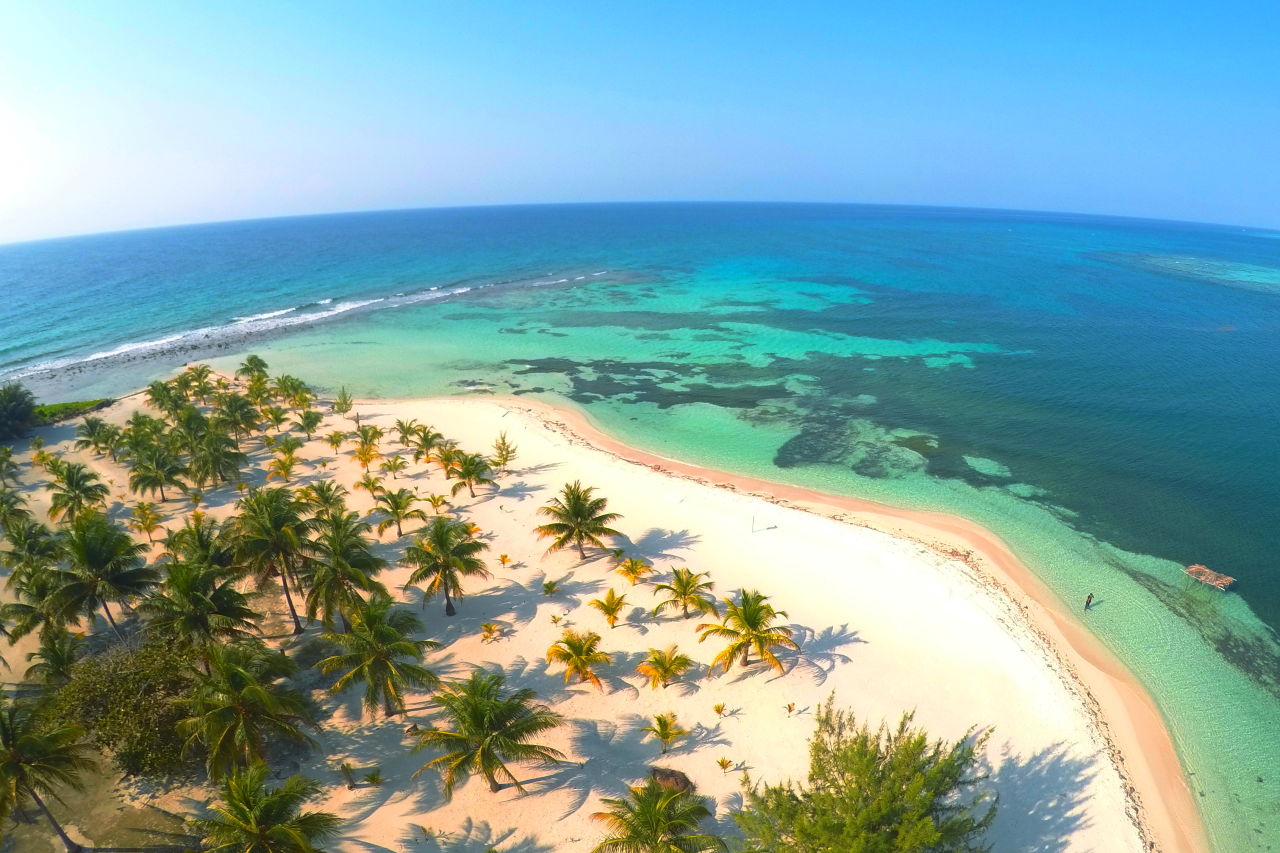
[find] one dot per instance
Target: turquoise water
(1102, 393)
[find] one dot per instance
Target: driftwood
(672, 779)
(1208, 576)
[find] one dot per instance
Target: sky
(117, 115)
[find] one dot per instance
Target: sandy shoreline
(898, 611)
(1160, 800)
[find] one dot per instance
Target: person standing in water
(1088, 602)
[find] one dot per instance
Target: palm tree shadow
(569, 592)
(1042, 799)
(614, 754)
(473, 837)
(519, 491)
(540, 468)
(818, 657)
(657, 544)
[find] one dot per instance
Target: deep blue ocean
(1104, 393)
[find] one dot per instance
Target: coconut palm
(393, 466)
(103, 564)
(424, 442)
(237, 413)
(324, 497)
(370, 484)
(656, 819)
(203, 541)
(276, 416)
(308, 422)
(688, 591)
(665, 730)
(197, 606)
(258, 391)
(398, 508)
(273, 539)
(486, 728)
(407, 431)
(610, 606)
(342, 567)
(13, 508)
(36, 759)
(748, 625)
(664, 666)
(634, 569)
(579, 653)
(380, 652)
(89, 434)
(578, 518)
(153, 469)
(282, 467)
(51, 663)
(215, 459)
(437, 502)
(336, 439)
(444, 554)
(446, 456)
(471, 469)
(255, 818)
(240, 704)
(144, 519)
(162, 396)
(366, 455)
(369, 434)
(8, 468)
(75, 491)
(253, 365)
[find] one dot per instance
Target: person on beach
(1088, 602)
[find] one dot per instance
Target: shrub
(17, 410)
(889, 790)
(130, 701)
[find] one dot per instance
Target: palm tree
(579, 653)
(13, 508)
(656, 819)
(205, 542)
(366, 455)
(103, 564)
(380, 652)
(282, 467)
(407, 431)
(253, 818)
(437, 501)
(241, 703)
(51, 663)
(487, 727)
(324, 497)
(8, 468)
(444, 554)
(153, 469)
(145, 519)
(611, 606)
(663, 666)
(336, 439)
(471, 469)
(393, 466)
(275, 416)
(308, 422)
(89, 433)
(688, 591)
(36, 759)
(398, 508)
(446, 456)
(215, 459)
(578, 518)
(425, 441)
(289, 446)
(665, 730)
(75, 490)
(238, 413)
(273, 539)
(634, 569)
(342, 567)
(749, 626)
(198, 606)
(370, 484)
(253, 365)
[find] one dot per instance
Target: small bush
(17, 410)
(130, 701)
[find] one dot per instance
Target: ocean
(1103, 393)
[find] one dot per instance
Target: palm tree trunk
(293, 612)
(162, 497)
(399, 532)
(71, 846)
(582, 552)
(471, 489)
(449, 609)
(110, 620)
(494, 785)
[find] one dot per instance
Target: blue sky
(122, 115)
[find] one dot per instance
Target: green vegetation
(578, 518)
(656, 819)
(888, 790)
(17, 411)
(52, 413)
(255, 818)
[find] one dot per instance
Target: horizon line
(376, 210)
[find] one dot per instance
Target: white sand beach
(885, 624)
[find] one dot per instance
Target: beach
(894, 611)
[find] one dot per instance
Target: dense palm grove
(196, 661)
